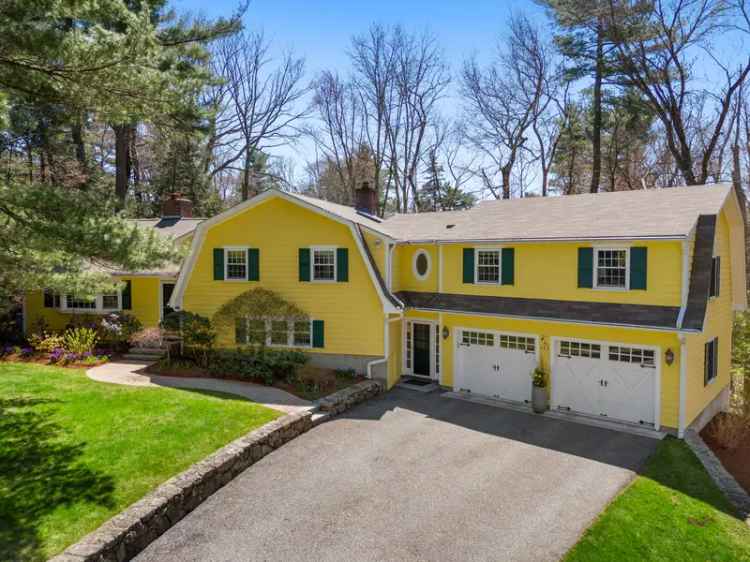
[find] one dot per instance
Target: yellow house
(624, 298)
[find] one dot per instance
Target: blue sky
(321, 31)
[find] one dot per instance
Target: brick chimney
(175, 205)
(366, 199)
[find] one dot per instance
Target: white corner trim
(683, 387)
(440, 271)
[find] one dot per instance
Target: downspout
(683, 386)
(386, 344)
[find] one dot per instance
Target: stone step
(158, 351)
(150, 357)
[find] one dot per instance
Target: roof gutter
(536, 240)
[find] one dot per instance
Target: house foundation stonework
(624, 299)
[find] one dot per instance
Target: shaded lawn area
(74, 452)
(672, 511)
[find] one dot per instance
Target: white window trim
(314, 249)
(290, 333)
(499, 252)
(226, 263)
(426, 254)
(595, 272)
(98, 309)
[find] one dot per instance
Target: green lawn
(673, 511)
(74, 452)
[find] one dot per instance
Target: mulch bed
(44, 360)
(313, 382)
(736, 461)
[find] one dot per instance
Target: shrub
(263, 364)
(56, 355)
(148, 337)
(197, 333)
(539, 378)
(729, 430)
(46, 342)
(80, 340)
(117, 328)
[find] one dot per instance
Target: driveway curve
(132, 374)
(414, 476)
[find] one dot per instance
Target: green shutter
(127, 296)
(49, 299)
(638, 268)
(240, 330)
(585, 268)
(218, 264)
(342, 264)
(304, 264)
(508, 265)
(253, 264)
(318, 333)
(468, 265)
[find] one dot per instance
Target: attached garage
(605, 379)
(495, 364)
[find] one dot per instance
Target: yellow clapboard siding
(718, 323)
(550, 271)
(352, 311)
(145, 293)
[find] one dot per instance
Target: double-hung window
(111, 301)
(711, 361)
(488, 266)
(274, 332)
(77, 303)
(611, 268)
(323, 264)
(236, 264)
(715, 277)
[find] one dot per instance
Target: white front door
(617, 381)
(495, 364)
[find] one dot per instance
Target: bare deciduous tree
(504, 99)
(257, 108)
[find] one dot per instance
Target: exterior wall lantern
(446, 332)
(669, 356)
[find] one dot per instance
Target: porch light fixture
(446, 332)
(669, 356)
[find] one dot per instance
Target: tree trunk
(247, 174)
(596, 134)
(122, 162)
(76, 132)
(505, 171)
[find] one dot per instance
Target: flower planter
(539, 399)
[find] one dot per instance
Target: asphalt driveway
(414, 476)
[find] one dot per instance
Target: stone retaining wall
(340, 401)
(725, 481)
(126, 534)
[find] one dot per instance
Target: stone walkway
(130, 373)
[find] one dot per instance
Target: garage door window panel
(580, 349)
(478, 338)
(611, 268)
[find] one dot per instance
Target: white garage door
(496, 364)
(619, 381)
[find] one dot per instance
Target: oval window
(421, 264)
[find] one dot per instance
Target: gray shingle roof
(652, 213)
(636, 315)
(700, 273)
(171, 226)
